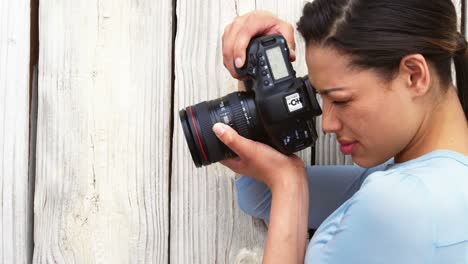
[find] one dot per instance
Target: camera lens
(236, 110)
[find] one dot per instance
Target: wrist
(293, 182)
(287, 239)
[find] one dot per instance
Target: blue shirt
(412, 212)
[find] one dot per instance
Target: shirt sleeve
(385, 222)
(329, 188)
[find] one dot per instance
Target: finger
(251, 25)
(228, 46)
(240, 47)
(227, 30)
(244, 28)
(287, 30)
(263, 23)
(241, 86)
(239, 29)
(234, 164)
(243, 147)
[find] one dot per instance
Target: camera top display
(267, 61)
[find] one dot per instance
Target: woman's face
(378, 117)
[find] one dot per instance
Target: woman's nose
(330, 121)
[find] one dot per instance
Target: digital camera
(277, 108)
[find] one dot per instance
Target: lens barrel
(236, 110)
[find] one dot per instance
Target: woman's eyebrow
(330, 90)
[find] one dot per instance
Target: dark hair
(379, 33)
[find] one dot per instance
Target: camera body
(277, 109)
(286, 105)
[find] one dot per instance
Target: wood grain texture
(103, 132)
(458, 7)
(15, 183)
(102, 187)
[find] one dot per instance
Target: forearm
(287, 233)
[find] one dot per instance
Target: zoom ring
(240, 124)
(213, 151)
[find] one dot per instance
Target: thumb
(242, 146)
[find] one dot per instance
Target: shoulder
(433, 187)
(401, 215)
(429, 178)
(396, 199)
(382, 221)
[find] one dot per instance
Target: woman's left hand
(258, 160)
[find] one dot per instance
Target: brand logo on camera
(294, 102)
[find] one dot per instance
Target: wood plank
(103, 132)
(15, 183)
(458, 7)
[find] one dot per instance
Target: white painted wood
(103, 132)
(102, 187)
(15, 197)
(458, 6)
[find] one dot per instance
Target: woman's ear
(415, 71)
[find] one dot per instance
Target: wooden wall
(102, 182)
(15, 184)
(108, 167)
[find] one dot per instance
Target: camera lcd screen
(277, 63)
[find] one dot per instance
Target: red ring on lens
(198, 136)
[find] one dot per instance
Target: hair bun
(462, 45)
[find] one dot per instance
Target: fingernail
(238, 62)
(219, 129)
(293, 52)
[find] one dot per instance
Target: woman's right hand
(238, 34)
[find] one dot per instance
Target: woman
(382, 68)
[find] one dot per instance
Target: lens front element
(236, 110)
